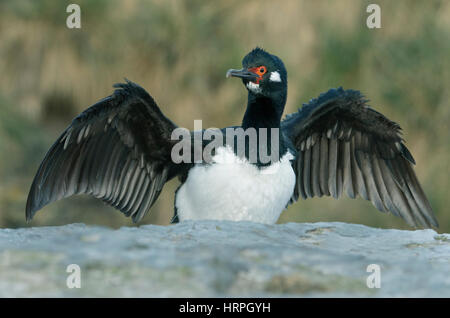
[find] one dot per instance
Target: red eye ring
(260, 71)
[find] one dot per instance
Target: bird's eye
(262, 70)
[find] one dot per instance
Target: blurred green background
(180, 50)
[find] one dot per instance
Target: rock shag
(119, 150)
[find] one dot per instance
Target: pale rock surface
(222, 258)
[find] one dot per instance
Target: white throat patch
(254, 87)
(275, 77)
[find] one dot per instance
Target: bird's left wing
(118, 150)
(344, 145)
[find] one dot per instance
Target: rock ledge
(218, 258)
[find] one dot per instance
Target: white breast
(233, 189)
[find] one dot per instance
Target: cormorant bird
(119, 150)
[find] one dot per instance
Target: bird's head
(263, 74)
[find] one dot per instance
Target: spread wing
(118, 150)
(345, 146)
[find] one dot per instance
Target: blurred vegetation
(180, 50)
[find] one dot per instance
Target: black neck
(263, 112)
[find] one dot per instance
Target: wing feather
(315, 174)
(307, 172)
(324, 165)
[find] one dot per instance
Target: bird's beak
(242, 73)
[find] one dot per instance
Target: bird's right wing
(118, 150)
